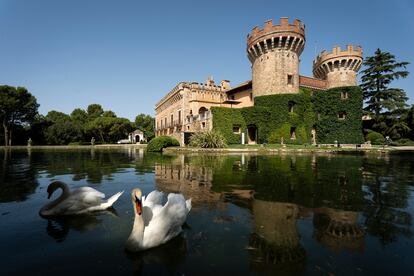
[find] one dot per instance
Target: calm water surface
(267, 215)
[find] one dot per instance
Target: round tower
(338, 68)
(274, 53)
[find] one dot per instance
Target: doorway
(252, 134)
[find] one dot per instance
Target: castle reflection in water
(332, 199)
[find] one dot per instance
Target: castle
(278, 103)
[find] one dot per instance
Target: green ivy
(328, 104)
(273, 119)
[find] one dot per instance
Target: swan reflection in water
(59, 227)
(164, 259)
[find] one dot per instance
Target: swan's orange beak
(138, 205)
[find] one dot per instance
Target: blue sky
(126, 55)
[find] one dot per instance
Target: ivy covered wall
(328, 105)
(275, 116)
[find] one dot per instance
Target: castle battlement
(338, 67)
(336, 53)
(276, 48)
(270, 30)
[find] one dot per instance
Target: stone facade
(274, 52)
(186, 108)
(338, 68)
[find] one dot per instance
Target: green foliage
(109, 129)
(94, 111)
(327, 106)
(160, 142)
(208, 139)
(381, 69)
(376, 138)
(17, 108)
(62, 133)
(223, 121)
(145, 123)
(277, 116)
(271, 116)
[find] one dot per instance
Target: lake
(291, 214)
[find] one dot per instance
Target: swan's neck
(136, 239)
(65, 194)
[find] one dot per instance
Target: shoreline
(103, 146)
(230, 150)
(265, 150)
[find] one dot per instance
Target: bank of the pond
(287, 148)
(103, 146)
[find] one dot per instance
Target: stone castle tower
(338, 68)
(274, 53)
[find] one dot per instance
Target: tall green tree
(109, 129)
(61, 130)
(380, 70)
(145, 123)
(94, 111)
(17, 107)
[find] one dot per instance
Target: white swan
(79, 201)
(154, 223)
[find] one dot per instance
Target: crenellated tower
(338, 68)
(274, 53)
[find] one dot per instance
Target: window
(290, 79)
(203, 124)
(293, 133)
(172, 119)
(344, 95)
(341, 115)
(236, 129)
(179, 116)
(291, 106)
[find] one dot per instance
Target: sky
(127, 54)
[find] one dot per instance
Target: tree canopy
(381, 69)
(17, 107)
(145, 123)
(386, 104)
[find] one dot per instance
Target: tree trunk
(10, 137)
(6, 133)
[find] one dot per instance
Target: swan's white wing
(153, 198)
(80, 200)
(167, 223)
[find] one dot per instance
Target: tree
(61, 130)
(109, 129)
(17, 107)
(94, 111)
(145, 123)
(79, 116)
(381, 70)
(109, 113)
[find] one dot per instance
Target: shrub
(375, 137)
(208, 139)
(160, 142)
(403, 142)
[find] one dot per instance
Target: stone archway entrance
(252, 134)
(137, 139)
